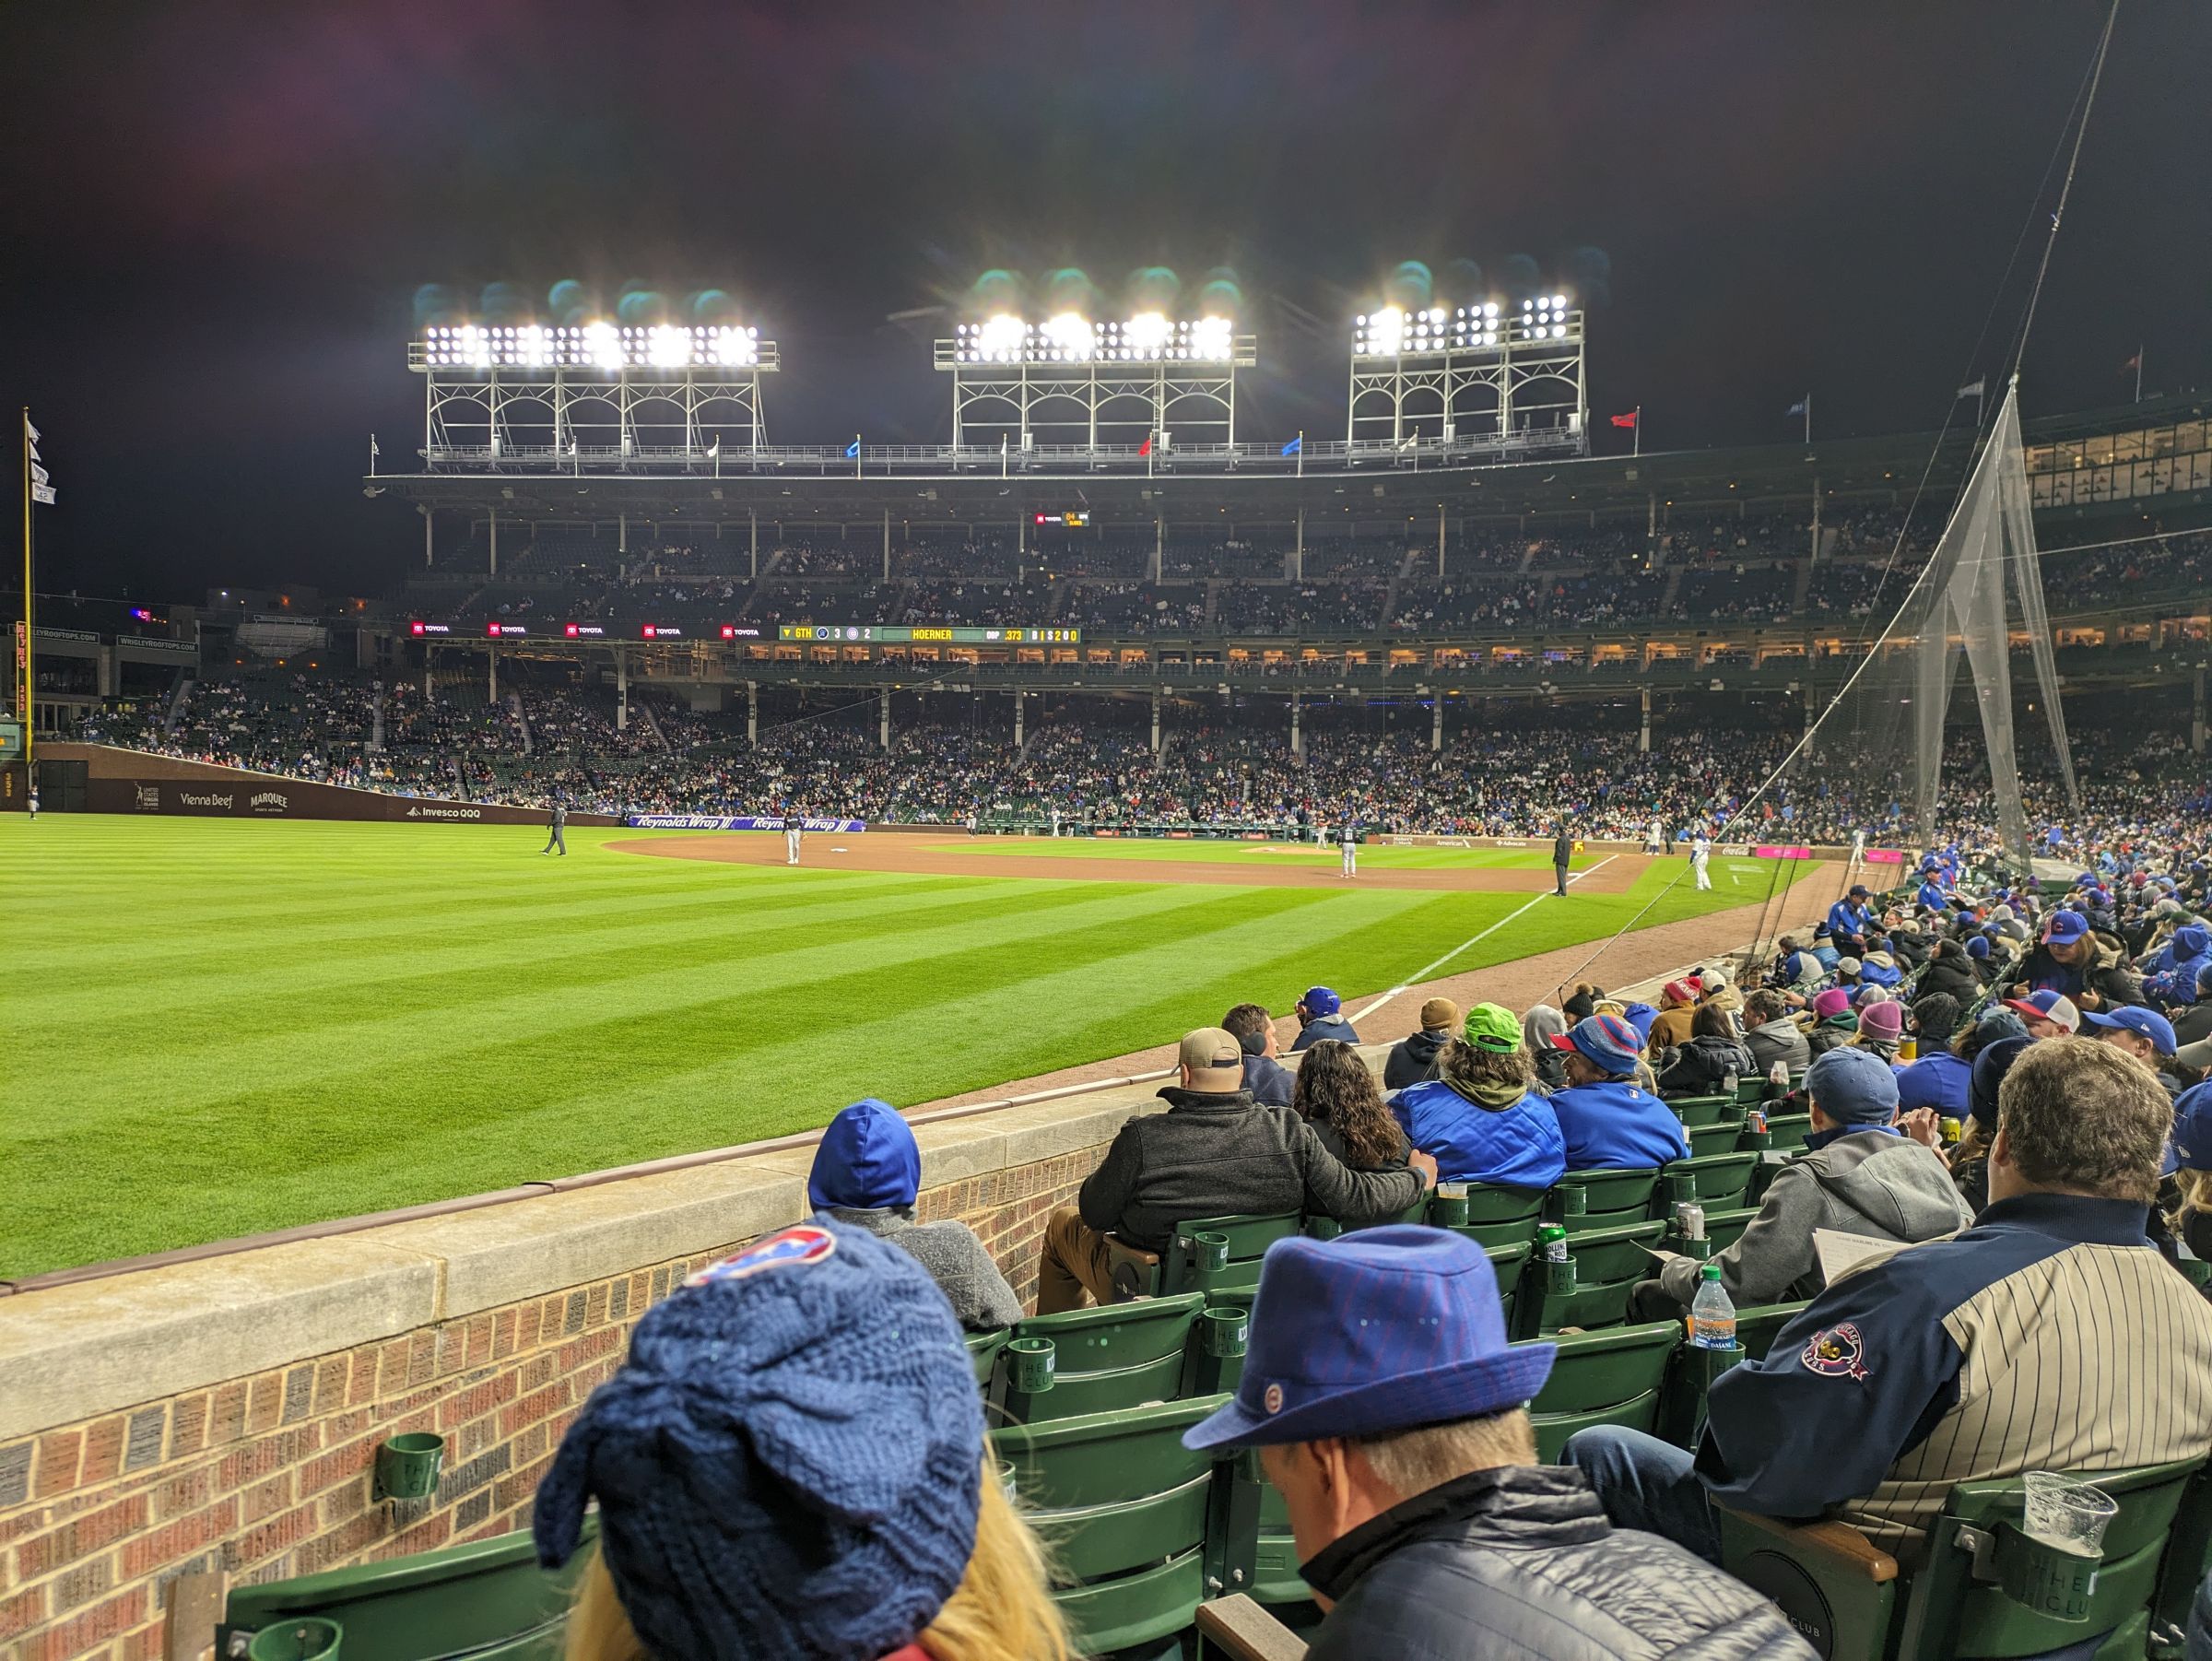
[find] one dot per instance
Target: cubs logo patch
(1837, 1352)
(803, 1244)
(1272, 1400)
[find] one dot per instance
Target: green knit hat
(1493, 1027)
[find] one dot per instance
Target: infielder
(1657, 844)
(1351, 850)
(791, 842)
(556, 842)
(1701, 851)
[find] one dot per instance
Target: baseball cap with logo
(2144, 1023)
(1493, 1027)
(2192, 1128)
(1607, 1041)
(2065, 928)
(1369, 1332)
(1320, 1000)
(1209, 1051)
(2053, 1006)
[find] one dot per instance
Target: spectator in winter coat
(1678, 1010)
(2173, 983)
(1771, 1035)
(1539, 1028)
(1413, 1057)
(1833, 1024)
(1605, 1120)
(1336, 1096)
(1849, 920)
(1270, 1082)
(1214, 1153)
(1881, 1029)
(2079, 963)
(1481, 1118)
(867, 1174)
(1951, 970)
(2046, 1014)
(1939, 1079)
(1857, 1175)
(1824, 947)
(1319, 1017)
(2194, 1025)
(1879, 969)
(1712, 1059)
(1389, 1413)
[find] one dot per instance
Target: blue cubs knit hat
(1606, 1041)
(789, 1462)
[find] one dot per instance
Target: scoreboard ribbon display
(715, 821)
(879, 633)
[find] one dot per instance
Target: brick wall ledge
(75, 1350)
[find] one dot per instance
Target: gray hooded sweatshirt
(1868, 1182)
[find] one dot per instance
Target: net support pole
(1436, 723)
(884, 726)
(752, 714)
(2196, 717)
(1156, 721)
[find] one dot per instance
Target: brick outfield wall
(266, 1478)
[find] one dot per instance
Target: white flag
(1972, 389)
(1411, 440)
(34, 432)
(34, 453)
(38, 473)
(715, 448)
(375, 450)
(42, 493)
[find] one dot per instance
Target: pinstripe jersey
(2048, 1336)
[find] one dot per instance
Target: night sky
(220, 215)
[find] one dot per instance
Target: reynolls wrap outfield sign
(715, 821)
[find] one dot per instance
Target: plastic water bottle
(1711, 1315)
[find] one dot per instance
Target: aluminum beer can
(1690, 1220)
(1552, 1237)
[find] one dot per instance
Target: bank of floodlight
(603, 346)
(1148, 337)
(1393, 331)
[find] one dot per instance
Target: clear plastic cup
(2067, 1513)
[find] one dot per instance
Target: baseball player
(557, 823)
(791, 842)
(1701, 851)
(1351, 849)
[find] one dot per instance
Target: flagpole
(1808, 418)
(2138, 371)
(1301, 452)
(1637, 446)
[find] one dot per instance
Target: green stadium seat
(488, 1601)
(1497, 1216)
(1787, 1132)
(1721, 1136)
(1704, 1110)
(1711, 1180)
(1591, 1199)
(1512, 1263)
(1751, 1091)
(1123, 1355)
(1851, 1602)
(1724, 1227)
(1612, 1377)
(1123, 1509)
(983, 1350)
(1607, 1265)
(1226, 1259)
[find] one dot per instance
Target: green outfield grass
(218, 1028)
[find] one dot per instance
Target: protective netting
(1891, 755)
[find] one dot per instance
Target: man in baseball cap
(1320, 1016)
(2143, 1033)
(1390, 1413)
(1605, 1121)
(2047, 1014)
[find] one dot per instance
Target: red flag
(2135, 362)
(1627, 421)
(1145, 448)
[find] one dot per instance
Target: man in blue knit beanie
(789, 1462)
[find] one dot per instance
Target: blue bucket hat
(866, 1161)
(1320, 1000)
(1606, 1040)
(1369, 1332)
(2192, 1147)
(2145, 1023)
(790, 1461)
(1853, 1087)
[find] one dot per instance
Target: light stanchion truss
(1068, 382)
(1498, 372)
(591, 398)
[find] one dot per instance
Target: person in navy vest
(1605, 1122)
(1849, 919)
(1482, 1118)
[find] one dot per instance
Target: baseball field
(218, 1028)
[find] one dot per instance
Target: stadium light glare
(1072, 334)
(1558, 302)
(1147, 332)
(667, 346)
(602, 345)
(1212, 337)
(1001, 337)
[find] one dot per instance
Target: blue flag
(1295, 445)
(852, 449)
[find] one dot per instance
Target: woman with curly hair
(1482, 1118)
(1338, 1097)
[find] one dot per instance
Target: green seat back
(1720, 1137)
(1276, 1579)
(1121, 1355)
(983, 1350)
(1949, 1613)
(1608, 1262)
(1719, 1180)
(1511, 1262)
(2188, 1553)
(1610, 1377)
(1789, 1131)
(488, 1598)
(1249, 1237)
(1704, 1110)
(1756, 1326)
(1750, 1091)
(1122, 1507)
(1609, 1197)
(1836, 1607)
(1724, 1227)
(1500, 1216)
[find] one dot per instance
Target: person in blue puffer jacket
(1605, 1121)
(2181, 962)
(1482, 1118)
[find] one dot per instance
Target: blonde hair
(2195, 1190)
(1000, 1611)
(1413, 1462)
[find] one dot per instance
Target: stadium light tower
(595, 396)
(1497, 371)
(1082, 383)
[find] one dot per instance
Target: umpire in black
(1562, 851)
(556, 822)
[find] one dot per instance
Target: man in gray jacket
(1390, 1413)
(1771, 1035)
(1858, 1175)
